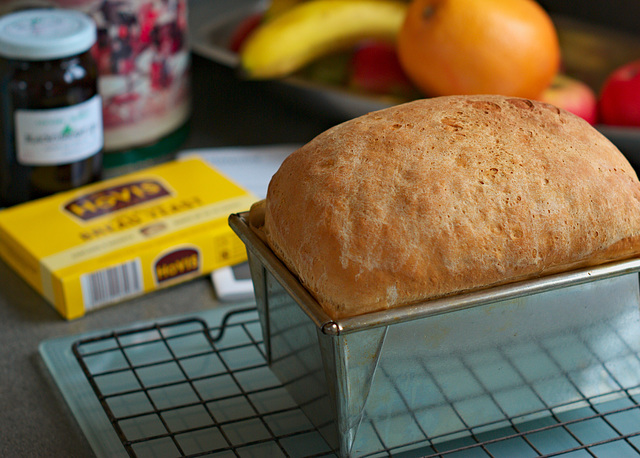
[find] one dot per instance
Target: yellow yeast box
(125, 236)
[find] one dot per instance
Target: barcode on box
(112, 284)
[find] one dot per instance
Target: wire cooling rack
(187, 388)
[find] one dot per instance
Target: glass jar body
(51, 130)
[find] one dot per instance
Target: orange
(507, 47)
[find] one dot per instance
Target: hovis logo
(176, 264)
(115, 198)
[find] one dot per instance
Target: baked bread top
(445, 195)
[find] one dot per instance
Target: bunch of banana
(314, 28)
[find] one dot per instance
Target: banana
(315, 28)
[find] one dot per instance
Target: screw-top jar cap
(43, 34)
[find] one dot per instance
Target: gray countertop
(34, 418)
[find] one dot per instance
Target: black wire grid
(184, 388)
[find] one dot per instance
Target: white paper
(249, 166)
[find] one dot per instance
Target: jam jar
(51, 129)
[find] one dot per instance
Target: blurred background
(620, 14)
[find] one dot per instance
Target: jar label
(59, 135)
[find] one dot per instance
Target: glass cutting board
(182, 387)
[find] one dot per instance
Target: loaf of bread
(445, 195)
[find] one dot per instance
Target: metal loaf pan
(438, 370)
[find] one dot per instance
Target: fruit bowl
(212, 22)
(589, 53)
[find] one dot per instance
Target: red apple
(620, 96)
(574, 96)
(375, 68)
(243, 30)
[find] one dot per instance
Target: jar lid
(43, 34)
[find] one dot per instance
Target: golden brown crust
(449, 194)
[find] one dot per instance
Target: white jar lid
(43, 34)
